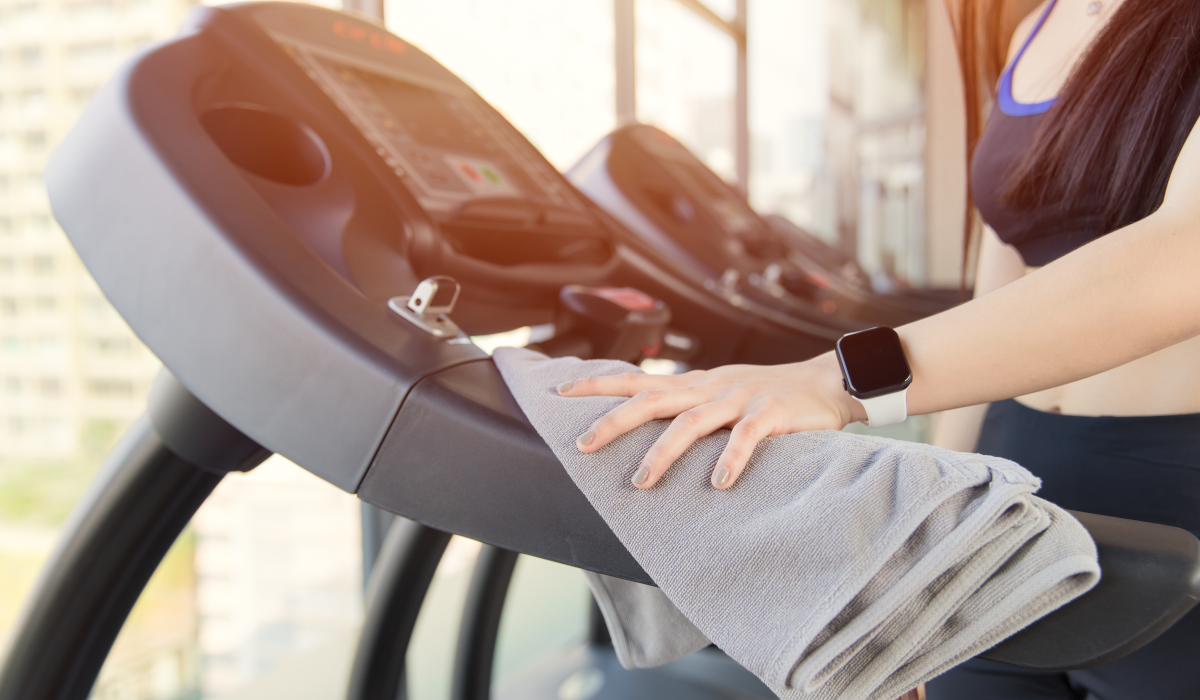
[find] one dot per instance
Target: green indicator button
(491, 175)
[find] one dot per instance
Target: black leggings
(1141, 468)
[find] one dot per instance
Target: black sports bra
(1039, 235)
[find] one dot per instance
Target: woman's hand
(754, 401)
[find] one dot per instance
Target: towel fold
(838, 566)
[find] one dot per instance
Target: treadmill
(259, 199)
(654, 185)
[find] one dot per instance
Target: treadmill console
(318, 168)
(659, 189)
(446, 146)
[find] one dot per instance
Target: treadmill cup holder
(267, 144)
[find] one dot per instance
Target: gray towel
(838, 566)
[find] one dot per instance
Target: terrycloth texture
(646, 628)
(839, 566)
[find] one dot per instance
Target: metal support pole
(481, 623)
(407, 561)
(375, 525)
(742, 105)
(147, 491)
(625, 60)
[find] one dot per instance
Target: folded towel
(838, 566)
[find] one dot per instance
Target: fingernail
(640, 476)
(565, 387)
(721, 477)
(586, 439)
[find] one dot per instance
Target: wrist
(829, 377)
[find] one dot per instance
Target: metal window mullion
(741, 106)
(735, 29)
(625, 60)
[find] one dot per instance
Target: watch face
(873, 361)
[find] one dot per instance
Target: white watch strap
(887, 409)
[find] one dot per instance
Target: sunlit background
(262, 596)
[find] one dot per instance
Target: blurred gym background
(842, 115)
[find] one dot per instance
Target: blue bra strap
(1004, 97)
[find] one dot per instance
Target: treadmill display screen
(446, 146)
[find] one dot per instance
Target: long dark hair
(1120, 121)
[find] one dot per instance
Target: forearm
(1121, 297)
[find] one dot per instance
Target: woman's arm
(1126, 295)
(999, 264)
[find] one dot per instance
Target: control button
(491, 175)
(472, 174)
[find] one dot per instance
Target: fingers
(642, 408)
(629, 384)
(744, 437)
(687, 428)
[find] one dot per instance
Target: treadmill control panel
(443, 144)
(732, 215)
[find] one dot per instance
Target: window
(35, 141)
(39, 224)
(45, 304)
(96, 307)
(43, 265)
(94, 55)
(686, 81)
(110, 388)
(8, 266)
(91, 11)
(110, 347)
(8, 306)
(12, 385)
(27, 16)
(555, 79)
(31, 58)
(33, 103)
(50, 387)
(80, 96)
(51, 348)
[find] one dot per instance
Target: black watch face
(873, 361)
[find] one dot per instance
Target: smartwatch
(876, 373)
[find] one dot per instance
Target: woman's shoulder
(1024, 28)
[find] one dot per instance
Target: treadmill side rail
(461, 457)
